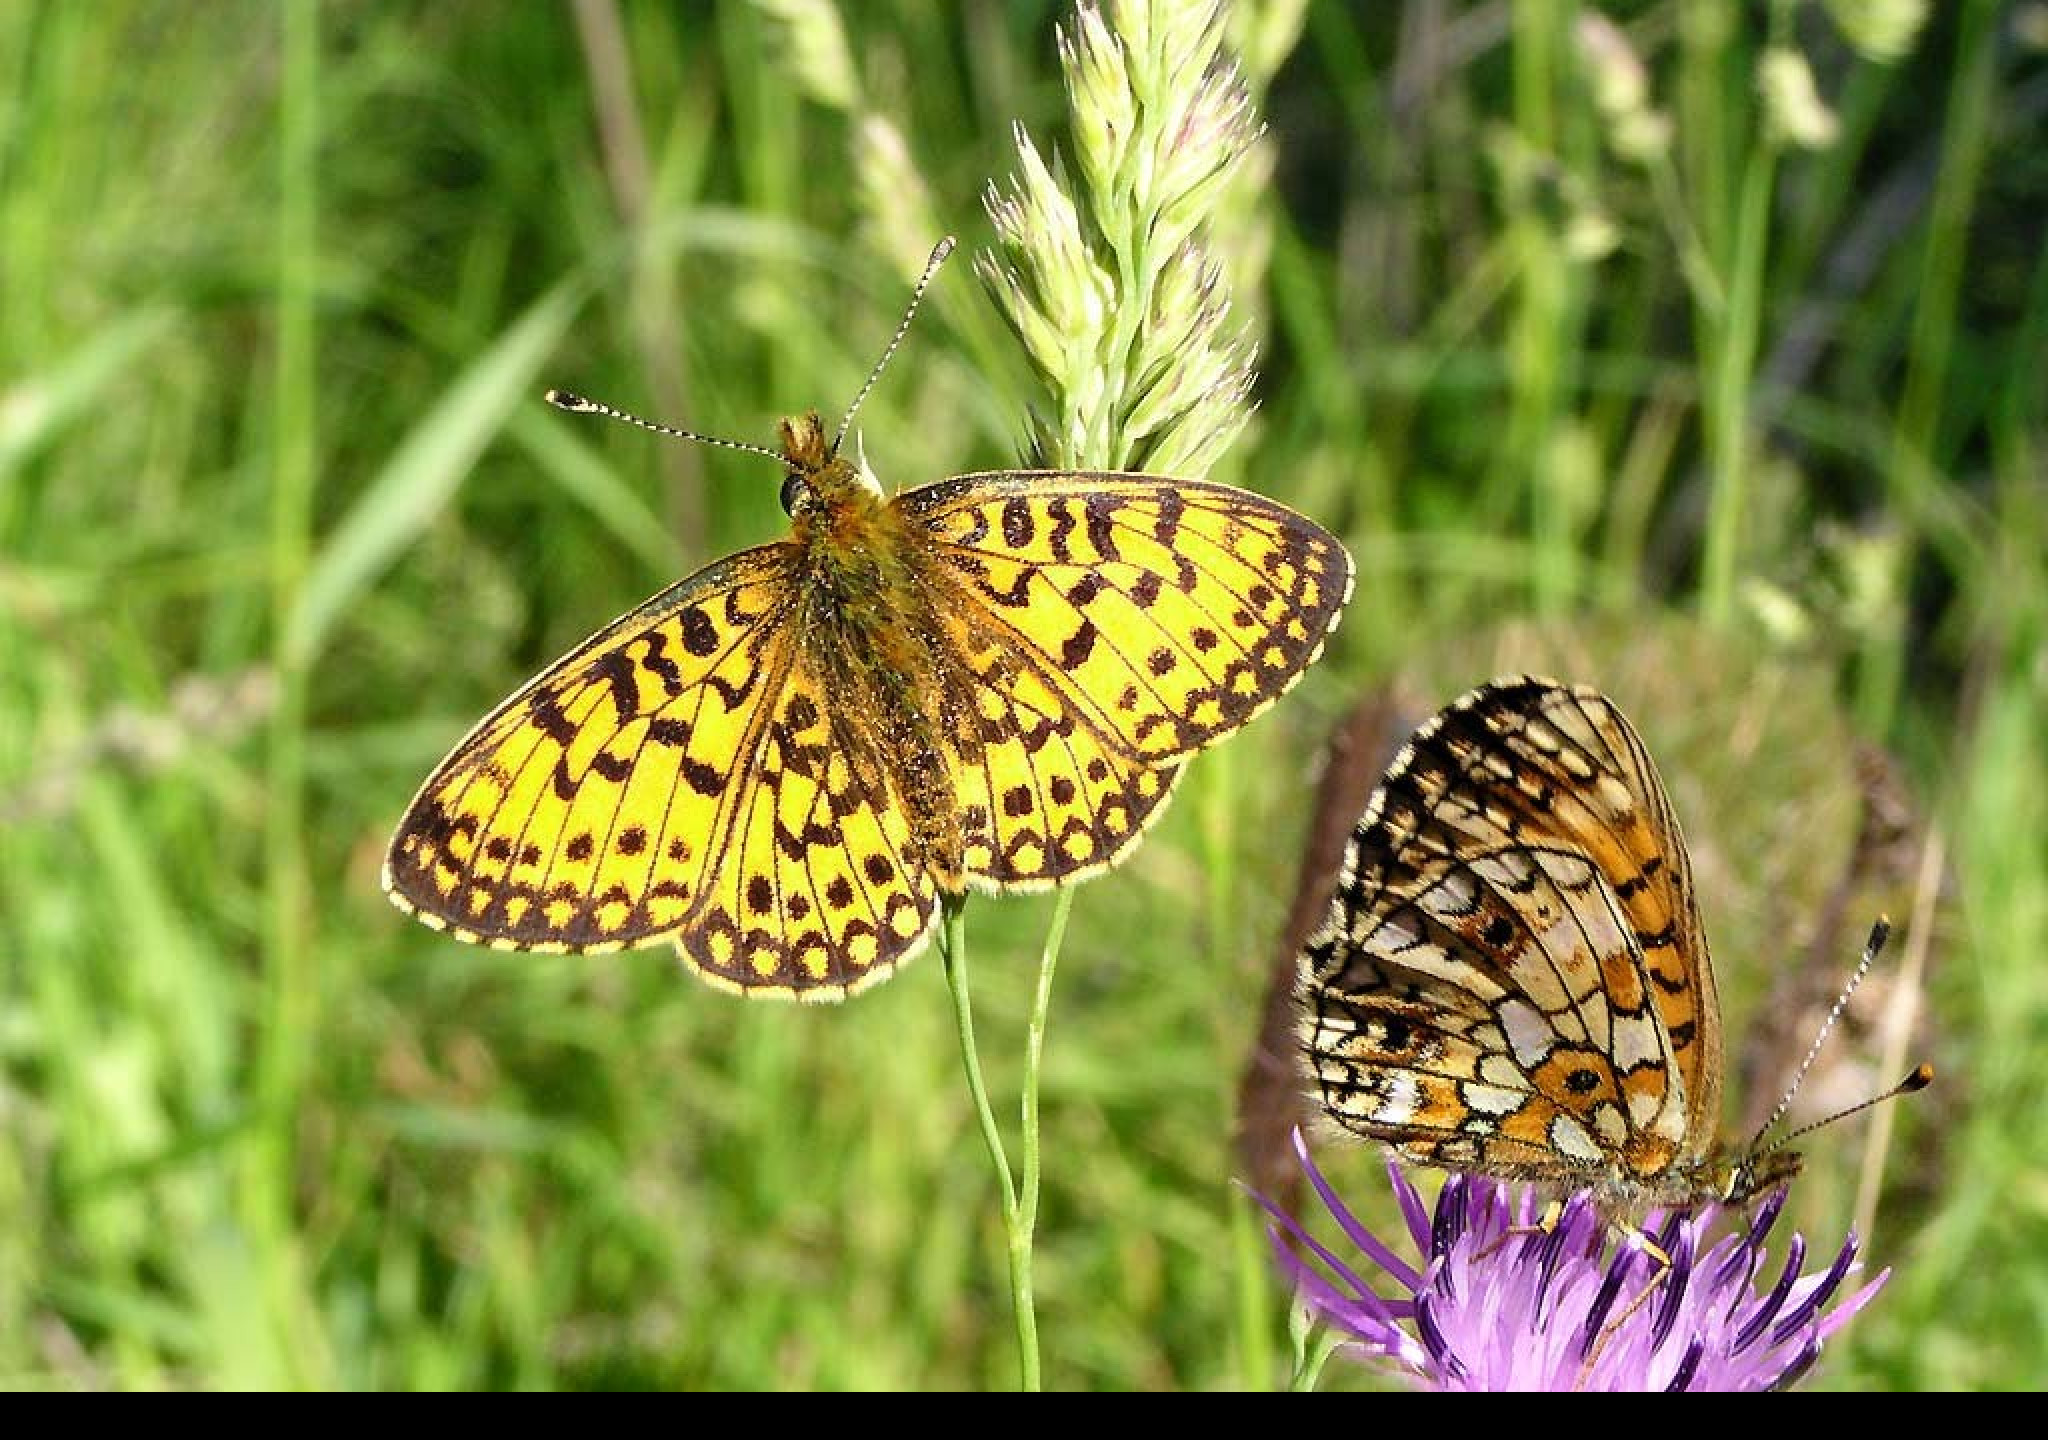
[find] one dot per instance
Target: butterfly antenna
(576, 404)
(1922, 1076)
(931, 268)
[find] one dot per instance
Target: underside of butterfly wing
(1511, 977)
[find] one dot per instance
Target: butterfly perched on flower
(1512, 977)
(782, 763)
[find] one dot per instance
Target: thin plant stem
(1540, 319)
(1703, 281)
(1016, 1226)
(290, 990)
(1897, 1025)
(1024, 1230)
(1313, 1354)
(1109, 285)
(1257, 1364)
(1916, 456)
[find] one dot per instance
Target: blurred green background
(1707, 340)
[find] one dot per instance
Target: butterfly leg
(1546, 1224)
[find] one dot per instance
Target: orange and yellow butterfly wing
(1511, 976)
(1624, 823)
(1178, 609)
(681, 775)
(1043, 792)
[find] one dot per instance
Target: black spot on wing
(700, 636)
(1101, 513)
(1060, 538)
(1079, 644)
(1166, 524)
(1017, 522)
(546, 712)
(657, 663)
(615, 669)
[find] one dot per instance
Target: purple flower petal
(1843, 1313)
(1412, 1209)
(1808, 1298)
(1361, 1294)
(1673, 1290)
(1363, 1238)
(1795, 1255)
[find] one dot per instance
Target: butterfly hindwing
(1632, 833)
(1044, 792)
(815, 890)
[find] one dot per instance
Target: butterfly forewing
(1177, 610)
(593, 809)
(1099, 627)
(1511, 977)
(1629, 830)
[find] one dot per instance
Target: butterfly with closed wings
(1512, 977)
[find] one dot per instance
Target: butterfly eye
(795, 494)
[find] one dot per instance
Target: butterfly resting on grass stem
(782, 763)
(1512, 977)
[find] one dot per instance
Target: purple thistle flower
(1556, 1311)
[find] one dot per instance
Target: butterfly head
(1741, 1178)
(807, 453)
(818, 477)
(816, 473)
